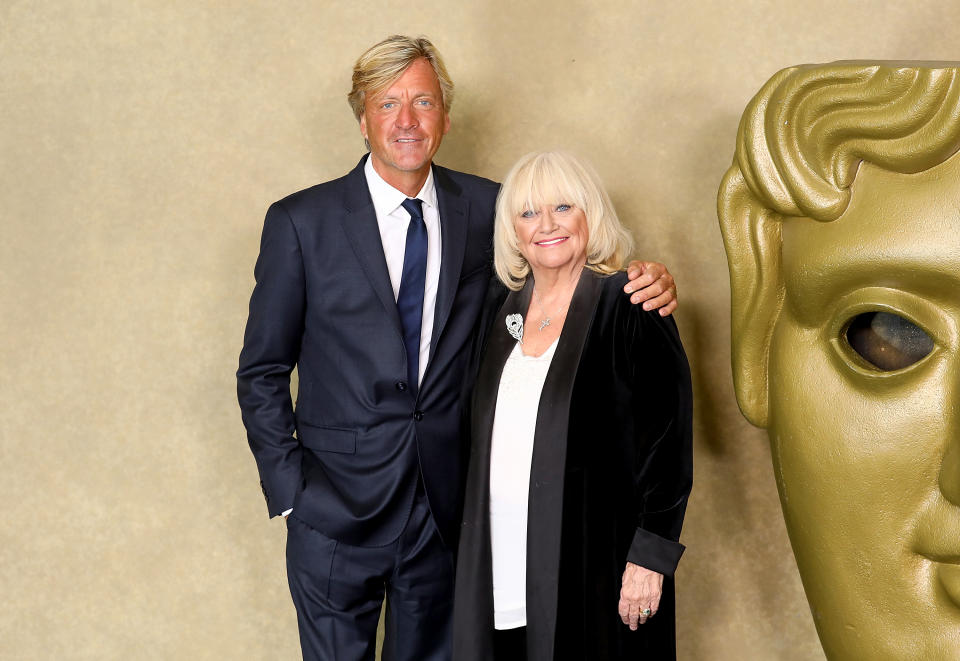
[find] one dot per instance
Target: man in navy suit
(370, 285)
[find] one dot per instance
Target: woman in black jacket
(581, 453)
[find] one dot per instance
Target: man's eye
(388, 105)
(887, 341)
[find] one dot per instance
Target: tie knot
(414, 207)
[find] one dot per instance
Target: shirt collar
(387, 199)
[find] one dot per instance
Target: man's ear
(752, 239)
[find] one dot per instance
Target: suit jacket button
(418, 415)
(401, 385)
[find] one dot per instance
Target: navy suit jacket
(348, 457)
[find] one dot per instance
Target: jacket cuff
(654, 552)
(277, 503)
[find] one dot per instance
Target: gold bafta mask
(841, 220)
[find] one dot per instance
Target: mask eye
(887, 341)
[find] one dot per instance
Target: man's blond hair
(383, 63)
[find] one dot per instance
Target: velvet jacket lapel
(547, 471)
(473, 605)
(473, 617)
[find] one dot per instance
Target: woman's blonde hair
(549, 178)
(383, 63)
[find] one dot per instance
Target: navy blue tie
(410, 296)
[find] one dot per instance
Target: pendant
(544, 323)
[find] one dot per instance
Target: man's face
(864, 377)
(405, 123)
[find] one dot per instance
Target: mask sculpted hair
(800, 143)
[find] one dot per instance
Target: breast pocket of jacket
(328, 439)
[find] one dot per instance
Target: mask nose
(950, 474)
(950, 469)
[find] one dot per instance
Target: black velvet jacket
(612, 469)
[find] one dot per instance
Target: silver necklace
(544, 318)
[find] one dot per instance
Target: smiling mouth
(551, 242)
(407, 141)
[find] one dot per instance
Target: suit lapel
(454, 211)
(360, 225)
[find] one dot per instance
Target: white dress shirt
(393, 220)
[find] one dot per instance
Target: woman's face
(553, 237)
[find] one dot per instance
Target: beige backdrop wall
(142, 141)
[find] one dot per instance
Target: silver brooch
(515, 326)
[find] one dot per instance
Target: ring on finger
(646, 612)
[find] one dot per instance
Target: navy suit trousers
(338, 590)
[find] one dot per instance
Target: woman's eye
(563, 207)
(529, 213)
(887, 341)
